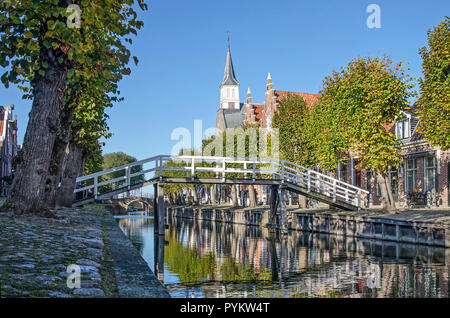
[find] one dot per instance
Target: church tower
(229, 88)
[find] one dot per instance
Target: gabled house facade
(421, 179)
(8, 147)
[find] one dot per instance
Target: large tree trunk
(74, 160)
(29, 187)
(60, 151)
(252, 195)
(387, 200)
(234, 196)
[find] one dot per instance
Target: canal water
(211, 259)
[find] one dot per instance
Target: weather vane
(228, 32)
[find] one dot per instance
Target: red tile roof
(310, 99)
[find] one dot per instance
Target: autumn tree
(40, 51)
(434, 102)
(292, 119)
(357, 105)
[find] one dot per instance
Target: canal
(212, 259)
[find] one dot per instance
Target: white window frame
(403, 128)
(414, 175)
(426, 173)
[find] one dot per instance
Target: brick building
(8, 146)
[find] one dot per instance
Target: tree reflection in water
(209, 259)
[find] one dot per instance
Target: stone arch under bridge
(120, 206)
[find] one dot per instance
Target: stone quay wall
(387, 228)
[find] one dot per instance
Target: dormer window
(403, 129)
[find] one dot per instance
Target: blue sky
(182, 52)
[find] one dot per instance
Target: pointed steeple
(229, 78)
(269, 82)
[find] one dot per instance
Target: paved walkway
(35, 253)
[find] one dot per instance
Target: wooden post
(282, 199)
(334, 190)
(223, 170)
(159, 257)
(95, 187)
(155, 209)
(359, 200)
(253, 171)
(128, 183)
(161, 209)
(273, 203)
(309, 181)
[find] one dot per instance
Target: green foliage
(93, 160)
(434, 102)
(29, 29)
(293, 121)
(36, 38)
(115, 159)
(357, 105)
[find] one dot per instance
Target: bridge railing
(222, 168)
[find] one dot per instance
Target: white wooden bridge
(281, 175)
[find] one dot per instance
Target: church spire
(229, 78)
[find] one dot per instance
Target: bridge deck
(288, 185)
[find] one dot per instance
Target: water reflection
(208, 259)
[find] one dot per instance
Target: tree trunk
(29, 187)
(65, 194)
(60, 151)
(195, 196)
(252, 195)
(234, 196)
(387, 201)
(302, 201)
(213, 194)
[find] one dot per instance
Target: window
(356, 177)
(342, 173)
(233, 91)
(403, 129)
(430, 173)
(411, 175)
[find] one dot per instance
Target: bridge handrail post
(223, 169)
(217, 172)
(359, 200)
(128, 179)
(309, 180)
(282, 171)
(253, 170)
(95, 187)
(245, 168)
(192, 168)
(334, 190)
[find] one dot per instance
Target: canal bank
(427, 227)
(38, 255)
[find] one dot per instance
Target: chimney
(249, 96)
